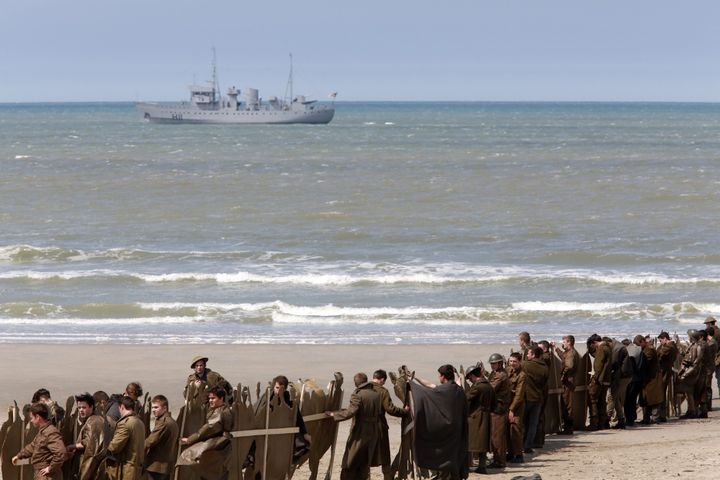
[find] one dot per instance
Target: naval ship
(207, 105)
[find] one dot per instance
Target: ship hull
(159, 113)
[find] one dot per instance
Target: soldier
(500, 382)
(525, 343)
(536, 390)
(667, 354)
(619, 381)
(710, 323)
(570, 360)
(709, 350)
(90, 442)
(201, 381)
(216, 431)
(516, 409)
(652, 390)
(162, 443)
(378, 380)
(57, 413)
(599, 382)
(127, 448)
(690, 374)
(481, 399)
(46, 451)
(363, 444)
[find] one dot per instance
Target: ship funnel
(252, 99)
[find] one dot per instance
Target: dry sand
(678, 449)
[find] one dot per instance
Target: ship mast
(216, 82)
(289, 87)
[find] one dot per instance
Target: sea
(397, 223)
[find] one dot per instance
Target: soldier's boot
(567, 427)
(691, 410)
(594, 424)
(387, 472)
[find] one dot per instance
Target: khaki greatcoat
(46, 450)
(481, 399)
(362, 450)
(94, 442)
(161, 445)
(387, 408)
(128, 448)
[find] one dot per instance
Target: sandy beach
(676, 449)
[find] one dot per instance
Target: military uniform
(481, 399)
(92, 436)
(598, 387)
(503, 396)
(709, 354)
(536, 392)
(387, 408)
(667, 354)
(46, 450)
(161, 447)
(689, 376)
(570, 361)
(128, 449)
(517, 407)
(652, 390)
(363, 444)
(197, 386)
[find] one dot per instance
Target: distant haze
(373, 50)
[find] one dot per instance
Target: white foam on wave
(101, 321)
(20, 157)
(280, 317)
(569, 307)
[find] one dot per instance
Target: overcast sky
(497, 50)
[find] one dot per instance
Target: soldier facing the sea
(570, 360)
(201, 381)
(127, 448)
(90, 442)
(690, 374)
(599, 382)
(378, 381)
(481, 400)
(667, 354)
(47, 450)
(162, 443)
(363, 444)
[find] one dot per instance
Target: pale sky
(487, 50)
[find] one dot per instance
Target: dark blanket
(441, 428)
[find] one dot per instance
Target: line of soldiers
(543, 388)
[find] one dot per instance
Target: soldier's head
(568, 341)
(475, 372)
(693, 335)
(703, 334)
(514, 360)
(639, 340)
(101, 400)
(126, 406)
(524, 339)
(134, 390)
(85, 404)
(446, 373)
(593, 341)
(496, 362)
(710, 321)
(159, 405)
(39, 414)
(216, 396)
(379, 377)
(710, 331)
(545, 345)
(199, 364)
(41, 395)
(360, 378)
(280, 384)
(664, 338)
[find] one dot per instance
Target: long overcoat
(481, 400)
(363, 444)
(128, 448)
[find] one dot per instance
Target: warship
(207, 105)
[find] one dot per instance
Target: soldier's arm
(390, 407)
(159, 433)
(350, 411)
(57, 448)
(27, 451)
(519, 394)
(120, 438)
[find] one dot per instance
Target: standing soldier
(709, 350)
(378, 380)
(536, 391)
(525, 343)
(652, 390)
(667, 354)
(162, 443)
(710, 323)
(599, 382)
(517, 408)
(690, 374)
(570, 360)
(201, 381)
(127, 448)
(363, 444)
(481, 399)
(47, 450)
(90, 443)
(499, 417)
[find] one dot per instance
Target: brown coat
(219, 421)
(46, 450)
(536, 380)
(570, 360)
(389, 408)
(128, 448)
(363, 444)
(93, 439)
(666, 356)
(480, 397)
(517, 385)
(602, 364)
(653, 390)
(161, 445)
(503, 391)
(198, 393)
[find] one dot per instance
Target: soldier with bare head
(127, 448)
(570, 361)
(599, 382)
(161, 445)
(47, 451)
(90, 440)
(378, 380)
